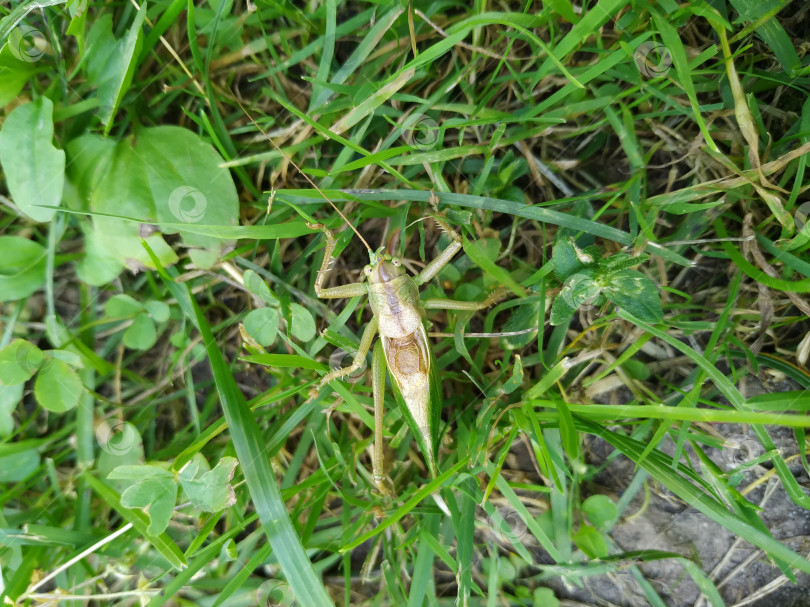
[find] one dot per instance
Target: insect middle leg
(455, 304)
(359, 358)
(435, 266)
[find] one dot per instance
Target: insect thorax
(396, 305)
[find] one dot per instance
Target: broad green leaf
(18, 362)
(123, 191)
(17, 467)
(58, 386)
(14, 73)
(97, 267)
(212, 490)
(154, 490)
(10, 397)
(579, 289)
(156, 496)
(636, 293)
(34, 168)
(158, 310)
(71, 358)
(561, 311)
(565, 258)
(255, 284)
(188, 186)
(303, 325)
(141, 334)
(523, 316)
(569, 258)
(590, 541)
(89, 157)
(262, 325)
(601, 511)
(544, 597)
(163, 543)
(122, 306)
(138, 473)
(110, 62)
(166, 176)
(22, 267)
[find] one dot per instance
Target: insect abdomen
(409, 361)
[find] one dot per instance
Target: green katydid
(399, 318)
(403, 348)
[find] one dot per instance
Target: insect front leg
(441, 260)
(354, 289)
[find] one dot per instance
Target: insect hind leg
(378, 369)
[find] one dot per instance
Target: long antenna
(292, 162)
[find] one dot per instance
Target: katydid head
(383, 267)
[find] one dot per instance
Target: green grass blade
(327, 55)
(675, 47)
(479, 258)
(423, 565)
(355, 61)
(261, 481)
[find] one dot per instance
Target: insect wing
(416, 388)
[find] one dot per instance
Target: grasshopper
(403, 348)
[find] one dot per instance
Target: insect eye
(367, 270)
(396, 262)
